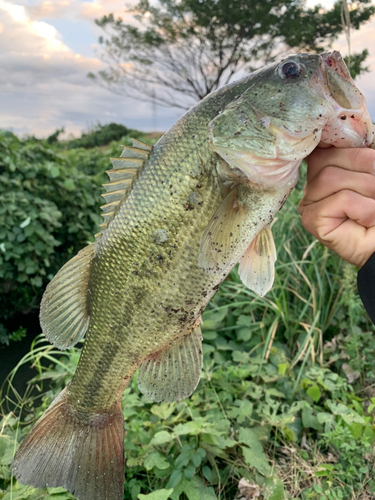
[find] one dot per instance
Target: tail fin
(84, 457)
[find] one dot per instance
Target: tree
(178, 51)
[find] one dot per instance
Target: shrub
(102, 135)
(49, 209)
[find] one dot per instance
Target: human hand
(338, 206)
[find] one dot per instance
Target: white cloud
(44, 84)
(76, 9)
(51, 9)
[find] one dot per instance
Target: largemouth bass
(178, 217)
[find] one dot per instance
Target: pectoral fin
(172, 374)
(221, 236)
(257, 266)
(63, 311)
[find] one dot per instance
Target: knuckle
(346, 197)
(361, 157)
(328, 175)
(353, 156)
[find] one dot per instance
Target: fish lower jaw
(349, 128)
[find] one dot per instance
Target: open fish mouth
(349, 124)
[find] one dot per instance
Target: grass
(286, 398)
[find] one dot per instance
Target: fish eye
(290, 70)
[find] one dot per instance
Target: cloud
(76, 10)
(51, 9)
(44, 84)
(98, 8)
(22, 36)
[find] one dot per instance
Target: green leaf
(282, 368)
(25, 223)
(324, 417)
(240, 357)
(347, 414)
(314, 393)
(193, 428)
(356, 430)
(255, 457)
(209, 335)
(241, 410)
(248, 436)
(273, 489)
(69, 184)
(274, 392)
(155, 460)
(244, 334)
(175, 478)
(189, 488)
(163, 410)
(162, 494)
(55, 171)
(212, 318)
(309, 420)
(161, 438)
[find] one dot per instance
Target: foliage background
(49, 209)
(286, 398)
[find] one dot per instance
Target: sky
(47, 47)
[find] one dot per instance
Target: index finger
(356, 159)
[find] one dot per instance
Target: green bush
(286, 398)
(102, 135)
(49, 209)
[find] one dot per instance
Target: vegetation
(102, 135)
(286, 398)
(176, 52)
(49, 209)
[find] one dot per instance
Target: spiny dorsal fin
(142, 145)
(125, 172)
(63, 311)
(172, 374)
(257, 266)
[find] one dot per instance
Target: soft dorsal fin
(220, 238)
(257, 266)
(172, 374)
(125, 172)
(63, 311)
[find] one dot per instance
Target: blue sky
(47, 47)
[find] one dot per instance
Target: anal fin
(172, 374)
(257, 266)
(63, 311)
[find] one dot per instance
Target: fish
(178, 217)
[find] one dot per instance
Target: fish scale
(178, 217)
(132, 319)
